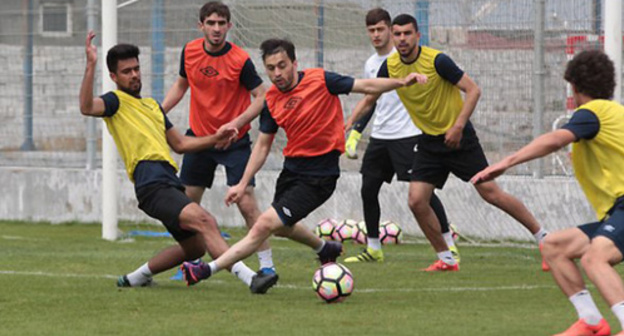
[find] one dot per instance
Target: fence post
(320, 22)
(91, 122)
(158, 50)
(422, 18)
(28, 144)
(538, 78)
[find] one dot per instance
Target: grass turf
(60, 280)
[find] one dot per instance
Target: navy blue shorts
(297, 195)
(198, 169)
(165, 203)
(611, 227)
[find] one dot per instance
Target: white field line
(520, 287)
(21, 238)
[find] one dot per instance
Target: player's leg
(561, 249)
(376, 169)
(440, 213)
(190, 248)
(235, 161)
(419, 200)
(296, 196)
(493, 194)
(165, 203)
(402, 156)
(194, 218)
(372, 212)
(428, 171)
(469, 160)
(248, 207)
(604, 252)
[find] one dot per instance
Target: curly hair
(592, 73)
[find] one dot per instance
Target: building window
(55, 19)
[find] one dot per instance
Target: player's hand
(226, 135)
(234, 194)
(414, 78)
(90, 49)
(490, 173)
(453, 136)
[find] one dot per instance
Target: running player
(391, 147)
(221, 77)
(596, 130)
(449, 143)
(305, 104)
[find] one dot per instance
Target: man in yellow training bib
(449, 143)
(596, 130)
(143, 135)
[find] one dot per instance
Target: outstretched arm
(88, 105)
(184, 144)
(541, 146)
(381, 85)
(258, 157)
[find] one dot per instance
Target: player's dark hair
(403, 19)
(592, 73)
(376, 15)
(273, 46)
(120, 52)
(212, 7)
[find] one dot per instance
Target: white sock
(540, 235)
(448, 238)
(265, 258)
(140, 275)
(213, 267)
(244, 273)
(618, 310)
(318, 249)
(585, 307)
(447, 257)
(374, 244)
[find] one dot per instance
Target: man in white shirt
(391, 147)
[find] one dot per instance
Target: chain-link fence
(42, 54)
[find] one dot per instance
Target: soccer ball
(390, 233)
(333, 282)
(325, 229)
(359, 233)
(344, 230)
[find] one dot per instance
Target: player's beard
(408, 53)
(134, 89)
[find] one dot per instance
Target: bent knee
(591, 259)
(262, 226)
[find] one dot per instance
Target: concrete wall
(59, 195)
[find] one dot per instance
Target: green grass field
(60, 280)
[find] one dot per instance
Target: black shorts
(433, 160)
(198, 168)
(165, 203)
(384, 158)
(611, 227)
(297, 195)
